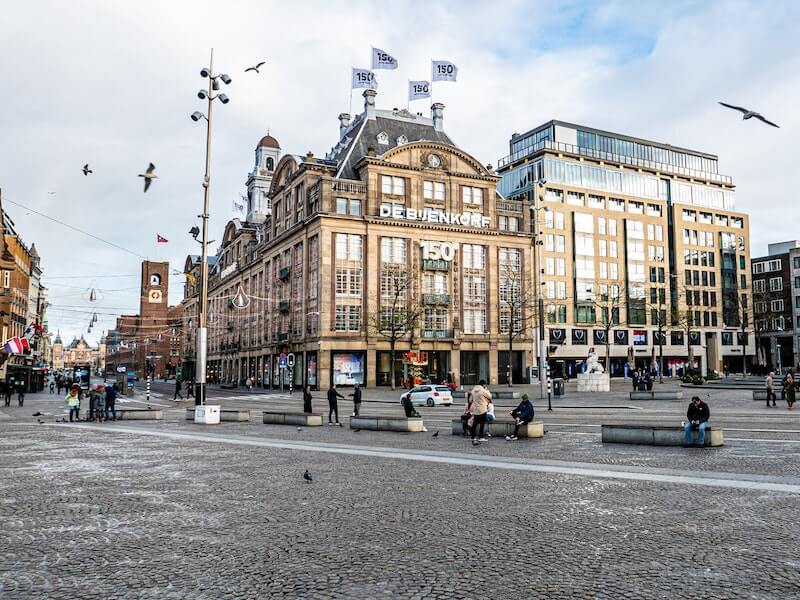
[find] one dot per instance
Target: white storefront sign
(434, 215)
(228, 270)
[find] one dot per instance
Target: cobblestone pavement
(120, 514)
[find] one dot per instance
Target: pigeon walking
(255, 67)
(436, 434)
(749, 114)
(86, 170)
(37, 414)
(40, 421)
(149, 175)
(307, 477)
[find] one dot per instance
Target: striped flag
(161, 239)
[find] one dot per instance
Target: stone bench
(504, 427)
(292, 418)
(140, 414)
(411, 425)
(655, 435)
(761, 395)
(496, 395)
(225, 414)
(673, 395)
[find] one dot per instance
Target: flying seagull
(749, 114)
(307, 477)
(256, 67)
(86, 170)
(149, 176)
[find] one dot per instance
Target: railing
(515, 207)
(618, 158)
(437, 333)
(349, 187)
(284, 273)
(436, 299)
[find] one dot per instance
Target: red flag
(161, 239)
(26, 347)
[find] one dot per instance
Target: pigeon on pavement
(37, 414)
(749, 114)
(436, 434)
(149, 175)
(40, 421)
(298, 429)
(255, 67)
(307, 477)
(86, 170)
(356, 430)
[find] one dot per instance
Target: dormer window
(383, 138)
(402, 140)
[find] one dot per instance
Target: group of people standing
(333, 403)
(8, 388)
(788, 389)
(102, 403)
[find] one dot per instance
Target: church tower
(259, 180)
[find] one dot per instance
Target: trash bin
(558, 387)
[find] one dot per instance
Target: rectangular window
(554, 195)
(348, 246)
(797, 283)
(348, 281)
(559, 220)
(474, 256)
(6, 279)
(603, 270)
(505, 223)
(560, 241)
(599, 202)
(601, 226)
(612, 227)
(550, 265)
(616, 204)
(393, 250)
(348, 318)
(612, 249)
(433, 190)
(395, 186)
(613, 271)
(776, 305)
(474, 320)
(575, 198)
(561, 267)
(759, 285)
(472, 196)
(796, 262)
(601, 247)
(775, 284)
(549, 242)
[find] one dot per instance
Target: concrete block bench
(140, 414)
(761, 395)
(496, 395)
(655, 435)
(412, 425)
(504, 427)
(292, 418)
(671, 395)
(225, 414)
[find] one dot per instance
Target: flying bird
(86, 170)
(749, 114)
(307, 477)
(255, 67)
(51, 193)
(436, 434)
(148, 176)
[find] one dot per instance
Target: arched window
(270, 164)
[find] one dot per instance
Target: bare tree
(736, 301)
(397, 314)
(609, 307)
(518, 305)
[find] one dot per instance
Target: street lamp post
(537, 237)
(202, 329)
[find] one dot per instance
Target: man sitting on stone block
(697, 415)
(408, 407)
(523, 415)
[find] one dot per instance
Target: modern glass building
(642, 251)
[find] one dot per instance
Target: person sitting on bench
(523, 415)
(697, 415)
(408, 407)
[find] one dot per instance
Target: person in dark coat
(111, 402)
(178, 385)
(6, 393)
(697, 416)
(789, 390)
(21, 393)
(522, 415)
(356, 395)
(333, 404)
(307, 400)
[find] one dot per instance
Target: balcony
(515, 207)
(609, 156)
(437, 334)
(283, 306)
(284, 273)
(349, 187)
(441, 299)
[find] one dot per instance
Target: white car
(429, 395)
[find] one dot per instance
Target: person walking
(635, 380)
(59, 385)
(52, 387)
(770, 382)
(73, 401)
(6, 393)
(249, 384)
(789, 390)
(333, 404)
(481, 397)
(177, 394)
(190, 389)
(111, 402)
(356, 395)
(100, 403)
(307, 400)
(21, 393)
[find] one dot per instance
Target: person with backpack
(522, 415)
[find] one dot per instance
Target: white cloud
(113, 84)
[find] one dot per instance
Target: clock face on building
(155, 279)
(434, 161)
(154, 297)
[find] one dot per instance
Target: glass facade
(676, 158)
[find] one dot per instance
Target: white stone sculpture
(592, 364)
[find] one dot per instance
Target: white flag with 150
(383, 60)
(364, 78)
(419, 89)
(443, 70)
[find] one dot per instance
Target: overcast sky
(113, 83)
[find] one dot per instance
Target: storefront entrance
(517, 367)
(474, 367)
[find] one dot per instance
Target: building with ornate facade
(78, 352)
(396, 223)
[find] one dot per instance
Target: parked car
(429, 395)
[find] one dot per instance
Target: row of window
(431, 190)
(775, 284)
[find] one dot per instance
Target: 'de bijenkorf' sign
(434, 215)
